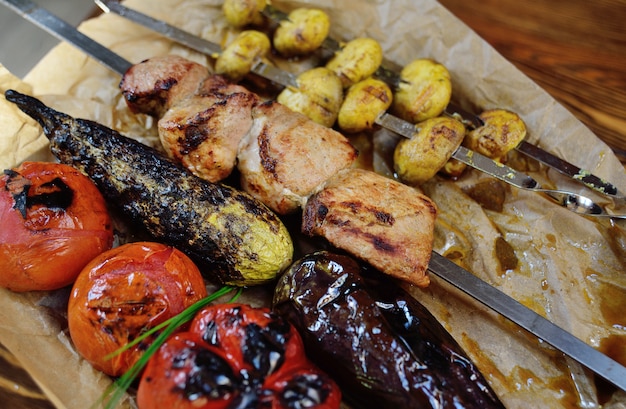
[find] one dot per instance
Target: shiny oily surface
(384, 347)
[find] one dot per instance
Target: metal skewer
(574, 202)
(462, 279)
(388, 72)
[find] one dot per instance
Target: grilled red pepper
(235, 356)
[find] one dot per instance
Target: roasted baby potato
(453, 168)
(503, 130)
(319, 95)
(237, 58)
(303, 32)
(362, 104)
(240, 13)
(357, 60)
(418, 159)
(425, 91)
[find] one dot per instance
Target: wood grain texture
(17, 389)
(574, 49)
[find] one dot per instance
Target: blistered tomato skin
(53, 221)
(122, 293)
(235, 356)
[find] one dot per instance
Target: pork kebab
(285, 160)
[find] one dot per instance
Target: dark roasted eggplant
(383, 347)
(234, 238)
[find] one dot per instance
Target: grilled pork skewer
(284, 158)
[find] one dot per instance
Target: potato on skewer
(319, 95)
(418, 159)
(424, 92)
(502, 132)
(238, 57)
(357, 60)
(303, 32)
(363, 102)
(240, 13)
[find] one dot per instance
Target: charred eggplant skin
(385, 349)
(233, 238)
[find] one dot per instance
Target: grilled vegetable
(319, 96)
(124, 292)
(424, 92)
(237, 59)
(302, 32)
(357, 60)
(240, 13)
(235, 356)
(364, 101)
(503, 130)
(53, 221)
(418, 159)
(384, 348)
(233, 237)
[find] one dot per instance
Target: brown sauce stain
(505, 254)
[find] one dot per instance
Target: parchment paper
(571, 268)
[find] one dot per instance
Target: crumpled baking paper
(571, 268)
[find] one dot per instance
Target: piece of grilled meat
(377, 219)
(203, 131)
(286, 156)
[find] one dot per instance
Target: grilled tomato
(235, 356)
(124, 292)
(53, 221)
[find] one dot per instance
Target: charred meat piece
(286, 156)
(384, 348)
(154, 85)
(203, 132)
(377, 219)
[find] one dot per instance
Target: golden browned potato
(357, 60)
(238, 57)
(303, 32)
(362, 104)
(418, 159)
(453, 168)
(503, 130)
(318, 96)
(425, 91)
(240, 13)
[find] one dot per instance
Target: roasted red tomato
(122, 293)
(235, 356)
(53, 221)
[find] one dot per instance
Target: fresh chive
(114, 393)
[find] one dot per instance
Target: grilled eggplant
(384, 348)
(232, 237)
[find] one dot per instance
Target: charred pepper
(236, 356)
(384, 348)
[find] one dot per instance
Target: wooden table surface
(574, 49)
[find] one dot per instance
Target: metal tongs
(572, 201)
(445, 269)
